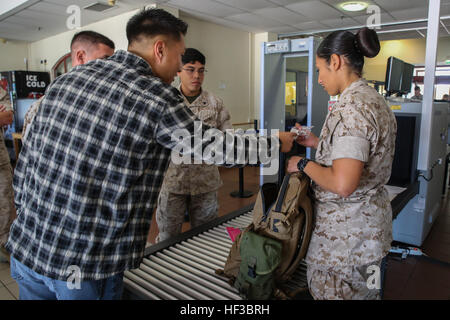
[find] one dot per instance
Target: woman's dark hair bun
(352, 47)
(366, 41)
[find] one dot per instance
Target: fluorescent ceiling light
(353, 5)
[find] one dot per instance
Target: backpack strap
(282, 195)
(252, 267)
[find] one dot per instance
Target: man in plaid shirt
(89, 174)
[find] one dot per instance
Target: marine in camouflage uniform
(7, 210)
(192, 187)
(353, 233)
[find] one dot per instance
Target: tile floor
(411, 278)
(9, 290)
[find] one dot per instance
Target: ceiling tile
(248, 4)
(315, 10)
(47, 7)
(445, 9)
(410, 14)
(26, 22)
(282, 14)
(343, 22)
(223, 22)
(284, 29)
(399, 35)
(285, 2)
(310, 26)
(42, 16)
(254, 20)
(9, 25)
(390, 5)
(66, 3)
(206, 7)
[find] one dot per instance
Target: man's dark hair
(152, 22)
(92, 37)
(192, 55)
(416, 88)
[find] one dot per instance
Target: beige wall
(410, 50)
(228, 61)
(12, 55)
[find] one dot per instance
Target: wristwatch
(302, 164)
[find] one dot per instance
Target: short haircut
(192, 55)
(93, 38)
(416, 88)
(153, 22)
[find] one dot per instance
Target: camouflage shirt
(358, 229)
(5, 101)
(199, 178)
(29, 116)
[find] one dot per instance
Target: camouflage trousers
(172, 207)
(7, 210)
(345, 283)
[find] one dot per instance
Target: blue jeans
(33, 286)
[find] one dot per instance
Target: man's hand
(292, 164)
(310, 141)
(287, 140)
(6, 118)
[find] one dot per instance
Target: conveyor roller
(184, 267)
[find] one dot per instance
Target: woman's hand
(292, 164)
(310, 141)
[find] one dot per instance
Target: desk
(16, 138)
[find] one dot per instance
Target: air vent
(98, 7)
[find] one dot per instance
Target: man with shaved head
(84, 47)
(87, 181)
(90, 45)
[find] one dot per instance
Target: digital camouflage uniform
(7, 210)
(29, 116)
(355, 232)
(192, 187)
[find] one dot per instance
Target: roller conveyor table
(184, 267)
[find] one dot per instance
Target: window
(63, 65)
(442, 81)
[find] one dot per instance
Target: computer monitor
(407, 78)
(394, 71)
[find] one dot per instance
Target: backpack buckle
(252, 267)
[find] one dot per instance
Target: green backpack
(266, 254)
(260, 257)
